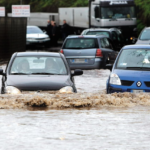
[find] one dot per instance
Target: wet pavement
(88, 120)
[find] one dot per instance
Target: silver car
(88, 51)
(144, 37)
(35, 36)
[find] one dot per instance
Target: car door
(115, 40)
(109, 55)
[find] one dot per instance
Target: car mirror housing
(77, 72)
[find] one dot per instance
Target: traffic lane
(92, 81)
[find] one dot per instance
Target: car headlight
(114, 79)
(12, 90)
(67, 89)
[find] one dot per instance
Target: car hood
(143, 42)
(133, 75)
(41, 35)
(38, 82)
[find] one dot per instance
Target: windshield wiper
(20, 73)
(133, 67)
(45, 73)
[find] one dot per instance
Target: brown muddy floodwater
(88, 120)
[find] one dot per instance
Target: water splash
(84, 100)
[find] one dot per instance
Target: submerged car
(37, 71)
(131, 70)
(35, 36)
(88, 51)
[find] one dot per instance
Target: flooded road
(88, 120)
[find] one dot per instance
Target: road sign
(20, 10)
(2, 11)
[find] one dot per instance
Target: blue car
(131, 70)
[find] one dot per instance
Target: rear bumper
(97, 65)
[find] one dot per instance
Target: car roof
(32, 27)
(101, 29)
(147, 28)
(136, 46)
(86, 36)
(38, 54)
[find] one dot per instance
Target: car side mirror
(109, 66)
(1, 72)
(77, 72)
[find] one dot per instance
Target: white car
(35, 36)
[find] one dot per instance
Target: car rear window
(80, 43)
(98, 33)
(134, 58)
(38, 64)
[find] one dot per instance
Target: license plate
(137, 91)
(79, 61)
(40, 41)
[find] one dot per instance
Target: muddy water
(89, 120)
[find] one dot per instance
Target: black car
(113, 33)
(88, 51)
(37, 71)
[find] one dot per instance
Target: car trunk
(80, 56)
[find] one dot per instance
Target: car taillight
(99, 53)
(61, 51)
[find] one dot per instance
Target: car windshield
(145, 35)
(80, 43)
(118, 12)
(134, 59)
(38, 65)
(34, 30)
(99, 33)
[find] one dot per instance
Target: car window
(98, 33)
(134, 58)
(32, 65)
(32, 30)
(80, 43)
(114, 36)
(145, 35)
(105, 43)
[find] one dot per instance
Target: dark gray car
(88, 51)
(37, 71)
(113, 33)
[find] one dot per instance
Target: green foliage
(45, 5)
(143, 14)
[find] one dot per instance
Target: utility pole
(20, 2)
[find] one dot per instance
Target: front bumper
(35, 42)
(120, 89)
